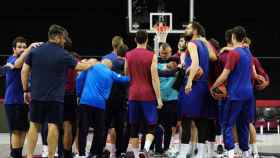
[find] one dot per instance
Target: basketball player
(48, 64)
(98, 82)
(70, 107)
(167, 115)
(16, 111)
(222, 61)
(144, 92)
(259, 71)
(237, 73)
(115, 113)
(193, 96)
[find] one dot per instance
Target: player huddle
(202, 93)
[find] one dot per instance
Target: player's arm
(80, 81)
(192, 48)
(155, 80)
(211, 50)
(231, 61)
(125, 68)
(82, 66)
(221, 79)
(20, 60)
(25, 73)
(260, 71)
(119, 78)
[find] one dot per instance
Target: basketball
(220, 91)
(259, 80)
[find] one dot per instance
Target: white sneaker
(246, 154)
(256, 155)
(45, 152)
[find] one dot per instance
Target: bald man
(94, 87)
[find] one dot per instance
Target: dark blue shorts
(43, 111)
(17, 116)
(148, 108)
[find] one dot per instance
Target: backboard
(145, 14)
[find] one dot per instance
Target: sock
(193, 146)
(254, 148)
(113, 148)
(219, 139)
(236, 148)
(136, 152)
(147, 145)
(231, 153)
(67, 153)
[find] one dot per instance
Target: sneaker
(129, 154)
(106, 154)
(157, 154)
(45, 152)
(255, 155)
(144, 154)
(220, 149)
(122, 155)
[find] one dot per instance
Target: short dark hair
(182, 35)
(215, 43)
(56, 30)
(121, 50)
(18, 39)
(228, 34)
(165, 46)
(239, 32)
(199, 28)
(141, 36)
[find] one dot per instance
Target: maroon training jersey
(139, 62)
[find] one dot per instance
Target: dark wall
(92, 26)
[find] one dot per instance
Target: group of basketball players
(131, 92)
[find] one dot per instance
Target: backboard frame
(151, 30)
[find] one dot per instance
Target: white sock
(254, 148)
(113, 148)
(193, 146)
(231, 153)
(147, 145)
(219, 139)
(236, 148)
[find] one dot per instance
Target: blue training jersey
(14, 90)
(94, 85)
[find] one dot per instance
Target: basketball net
(161, 32)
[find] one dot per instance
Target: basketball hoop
(161, 31)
